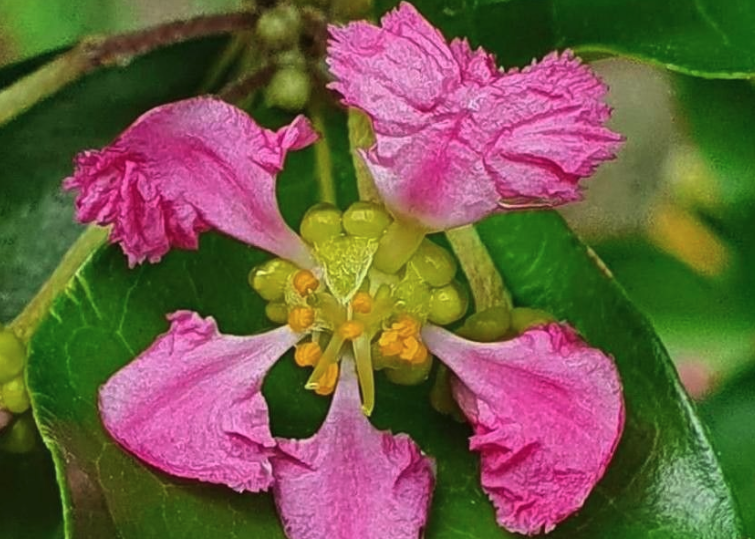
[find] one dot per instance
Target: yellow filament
(327, 382)
(363, 359)
(329, 356)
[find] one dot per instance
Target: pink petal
(350, 480)
(187, 167)
(457, 139)
(191, 404)
(547, 413)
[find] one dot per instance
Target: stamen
(300, 318)
(414, 351)
(351, 329)
(305, 282)
(308, 354)
(390, 343)
(327, 382)
(362, 303)
(406, 326)
(363, 359)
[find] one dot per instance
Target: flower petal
(191, 405)
(350, 480)
(456, 139)
(547, 413)
(187, 167)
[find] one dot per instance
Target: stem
(239, 90)
(323, 159)
(397, 245)
(26, 323)
(95, 52)
(484, 278)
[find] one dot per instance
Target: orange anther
(362, 303)
(413, 351)
(327, 383)
(300, 318)
(390, 343)
(305, 282)
(406, 326)
(308, 354)
(351, 329)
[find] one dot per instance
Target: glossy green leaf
(730, 415)
(36, 224)
(703, 37)
(665, 480)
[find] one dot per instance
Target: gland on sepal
(366, 219)
(524, 318)
(410, 374)
(12, 355)
(321, 223)
(490, 325)
(14, 396)
(270, 279)
(448, 304)
(433, 264)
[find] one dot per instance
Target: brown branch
(95, 52)
(239, 89)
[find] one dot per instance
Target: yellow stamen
(300, 318)
(330, 355)
(362, 303)
(351, 329)
(414, 351)
(305, 282)
(308, 354)
(406, 326)
(390, 343)
(327, 383)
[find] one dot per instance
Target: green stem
(485, 281)
(95, 52)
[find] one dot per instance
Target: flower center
(347, 301)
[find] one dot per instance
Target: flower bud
(279, 27)
(12, 355)
(448, 304)
(291, 58)
(21, 436)
(289, 89)
(366, 219)
(270, 279)
(524, 318)
(14, 395)
(410, 374)
(321, 223)
(433, 264)
(490, 325)
(276, 311)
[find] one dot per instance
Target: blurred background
(673, 218)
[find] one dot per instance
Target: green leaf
(665, 480)
(730, 415)
(36, 218)
(711, 38)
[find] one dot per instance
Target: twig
(96, 52)
(239, 89)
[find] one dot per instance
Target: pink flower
(546, 409)
(457, 139)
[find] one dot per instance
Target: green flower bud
(277, 312)
(270, 279)
(448, 304)
(490, 325)
(408, 374)
(21, 436)
(321, 223)
(12, 355)
(291, 58)
(14, 395)
(433, 264)
(289, 89)
(279, 27)
(366, 219)
(524, 318)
